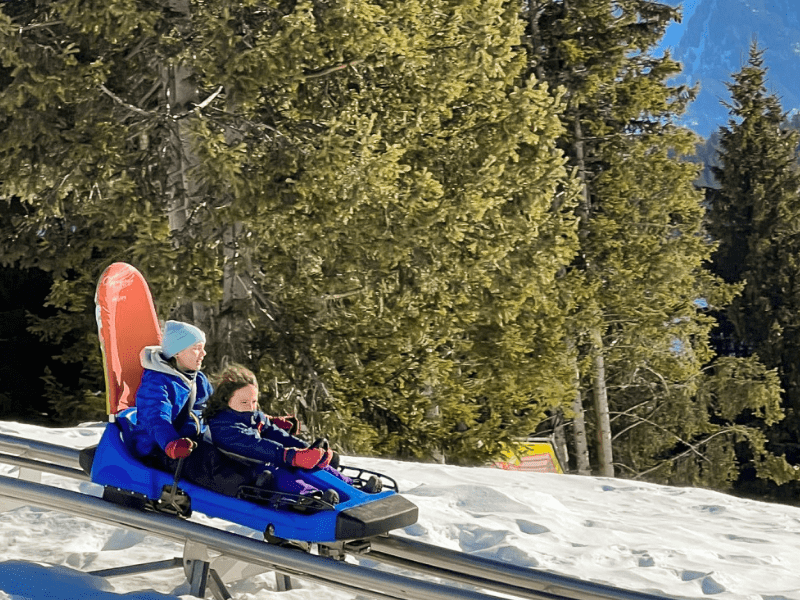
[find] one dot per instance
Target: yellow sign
(537, 456)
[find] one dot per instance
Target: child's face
(191, 358)
(244, 399)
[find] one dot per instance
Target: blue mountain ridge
(712, 42)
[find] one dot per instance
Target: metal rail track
(421, 559)
(497, 576)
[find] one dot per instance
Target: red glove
(180, 448)
(326, 460)
(288, 423)
(307, 458)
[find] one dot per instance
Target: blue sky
(675, 31)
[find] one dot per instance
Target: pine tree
(755, 214)
(640, 338)
(86, 157)
(617, 101)
(408, 251)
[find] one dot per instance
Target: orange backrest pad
(126, 323)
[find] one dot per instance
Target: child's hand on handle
(180, 448)
(307, 458)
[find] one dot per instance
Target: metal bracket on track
(204, 573)
(196, 565)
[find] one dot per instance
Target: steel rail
(36, 450)
(404, 553)
(46, 467)
(327, 571)
(497, 576)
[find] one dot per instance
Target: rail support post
(197, 567)
(198, 577)
(282, 582)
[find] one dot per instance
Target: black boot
(264, 480)
(331, 496)
(373, 485)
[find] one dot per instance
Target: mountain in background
(712, 42)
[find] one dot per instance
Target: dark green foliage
(86, 167)
(405, 237)
(755, 214)
(640, 273)
(701, 433)
(371, 189)
(377, 206)
(22, 355)
(639, 270)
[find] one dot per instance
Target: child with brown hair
(238, 427)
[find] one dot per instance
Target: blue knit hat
(179, 336)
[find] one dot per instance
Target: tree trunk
(600, 395)
(606, 457)
(535, 39)
(582, 465)
(177, 88)
(579, 440)
(230, 336)
(181, 191)
(560, 439)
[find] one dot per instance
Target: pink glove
(180, 448)
(307, 458)
(322, 444)
(326, 460)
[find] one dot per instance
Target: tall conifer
(410, 234)
(640, 336)
(755, 214)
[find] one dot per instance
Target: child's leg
(287, 481)
(338, 475)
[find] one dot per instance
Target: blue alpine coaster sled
(127, 323)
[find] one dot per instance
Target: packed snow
(670, 541)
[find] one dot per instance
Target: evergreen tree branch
(121, 102)
(39, 26)
(201, 106)
(691, 447)
(329, 70)
(690, 450)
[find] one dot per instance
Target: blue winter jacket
(250, 436)
(161, 412)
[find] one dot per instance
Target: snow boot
(373, 485)
(331, 496)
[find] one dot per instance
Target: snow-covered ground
(679, 542)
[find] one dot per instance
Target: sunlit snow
(677, 542)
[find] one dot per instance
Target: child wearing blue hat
(169, 406)
(172, 394)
